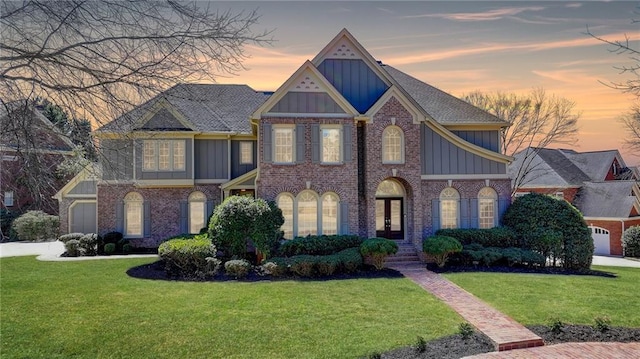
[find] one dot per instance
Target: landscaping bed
(454, 346)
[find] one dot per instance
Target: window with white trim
(8, 199)
(197, 212)
(329, 214)
(449, 208)
(307, 213)
(392, 145)
(163, 155)
(246, 153)
(331, 148)
(133, 216)
(285, 203)
(487, 198)
(283, 144)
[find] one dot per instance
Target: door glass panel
(396, 210)
(379, 215)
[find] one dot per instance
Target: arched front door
(390, 210)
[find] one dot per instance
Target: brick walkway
(505, 332)
(570, 351)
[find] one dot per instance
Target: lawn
(92, 309)
(536, 298)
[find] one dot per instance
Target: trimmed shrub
(319, 245)
(274, 269)
(73, 248)
(191, 258)
(377, 250)
(327, 265)
(67, 237)
(36, 226)
(500, 256)
(237, 268)
(89, 244)
(304, 265)
(112, 237)
(239, 220)
(631, 242)
(440, 247)
(109, 248)
(552, 227)
(350, 259)
(501, 237)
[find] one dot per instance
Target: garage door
(600, 241)
(82, 217)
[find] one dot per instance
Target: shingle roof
(563, 166)
(209, 107)
(594, 164)
(443, 107)
(610, 199)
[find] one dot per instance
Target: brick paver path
(570, 351)
(505, 332)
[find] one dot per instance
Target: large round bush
(552, 227)
(37, 226)
(240, 219)
(631, 242)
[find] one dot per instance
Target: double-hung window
(8, 199)
(163, 155)
(283, 144)
(331, 144)
(246, 153)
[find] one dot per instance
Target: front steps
(407, 255)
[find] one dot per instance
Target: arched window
(197, 211)
(392, 145)
(449, 211)
(307, 213)
(285, 203)
(330, 213)
(133, 214)
(487, 198)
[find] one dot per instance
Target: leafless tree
(631, 85)
(537, 120)
(98, 59)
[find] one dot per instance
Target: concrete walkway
(504, 332)
(570, 351)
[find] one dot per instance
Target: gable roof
(610, 199)
(47, 137)
(594, 164)
(207, 108)
(441, 106)
(571, 174)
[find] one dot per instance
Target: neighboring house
(29, 136)
(345, 145)
(598, 183)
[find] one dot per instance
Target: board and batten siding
(118, 159)
(306, 102)
(238, 169)
(85, 187)
(441, 157)
(355, 81)
(211, 159)
(485, 139)
(163, 175)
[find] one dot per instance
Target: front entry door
(389, 218)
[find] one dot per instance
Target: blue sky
(459, 47)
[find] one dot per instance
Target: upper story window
(487, 198)
(331, 144)
(246, 153)
(392, 145)
(163, 155)
(449, 211)
(8, 199)
(133, 215)
(283, 144)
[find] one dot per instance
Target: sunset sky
(460, 47)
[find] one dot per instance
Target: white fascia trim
(307, 115)
(547, 186)
(465, 177)
(210, 181)
(88, 197)
(394, 91)
(612, 219)
(163, 183)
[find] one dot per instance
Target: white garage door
(600, 241)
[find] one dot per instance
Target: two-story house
(598, 183)
(346, 145)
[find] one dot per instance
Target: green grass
(92, 309)
(536, 298)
